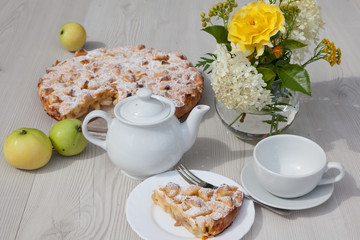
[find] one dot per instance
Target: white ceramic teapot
(145, 137)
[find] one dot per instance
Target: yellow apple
(67, 138)
(72, 36)
(27, 148)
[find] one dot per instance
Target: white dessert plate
(151, 222)
(251, 185)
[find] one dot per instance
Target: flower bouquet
(259, 58)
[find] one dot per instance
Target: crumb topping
(106, 76)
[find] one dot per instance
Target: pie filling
(202, 211)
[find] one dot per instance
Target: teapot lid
(144, 108)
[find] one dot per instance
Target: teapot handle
(90, 137)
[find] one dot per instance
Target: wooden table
(83, 197)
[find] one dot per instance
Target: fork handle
(279, 211)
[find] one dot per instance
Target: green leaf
(212, 55)
(205, 64)
(282, 104)
(267, 121)
(292, 44)
(268, 74)
(219, 33)
(295, 78)
(206, 67)
(282, 63)
(281, 118)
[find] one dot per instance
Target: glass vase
(253, 126)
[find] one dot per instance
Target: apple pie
(202, 211)
(103, 77)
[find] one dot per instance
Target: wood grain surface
(83, 197)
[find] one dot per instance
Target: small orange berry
(277, 51)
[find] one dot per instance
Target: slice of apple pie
(202, 211)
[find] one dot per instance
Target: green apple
(67, 138)
(72, 36)
(27, 148)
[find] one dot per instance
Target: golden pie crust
(202, 211)
(102, 77)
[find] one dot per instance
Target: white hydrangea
(308, 23)
(237, 83)
(307, 26)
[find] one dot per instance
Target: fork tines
(189, 177)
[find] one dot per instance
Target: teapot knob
(144, 94)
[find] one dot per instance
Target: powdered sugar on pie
(204, 212)
(103, 77)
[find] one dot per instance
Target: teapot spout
(190, 127)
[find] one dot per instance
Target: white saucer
(316, 197)
(150, 221)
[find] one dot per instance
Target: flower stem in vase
(242, 116)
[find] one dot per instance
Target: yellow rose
(254, 24)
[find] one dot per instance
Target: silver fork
(189, 177)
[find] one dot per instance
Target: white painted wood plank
(84, 197)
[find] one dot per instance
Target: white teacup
(291, 166)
